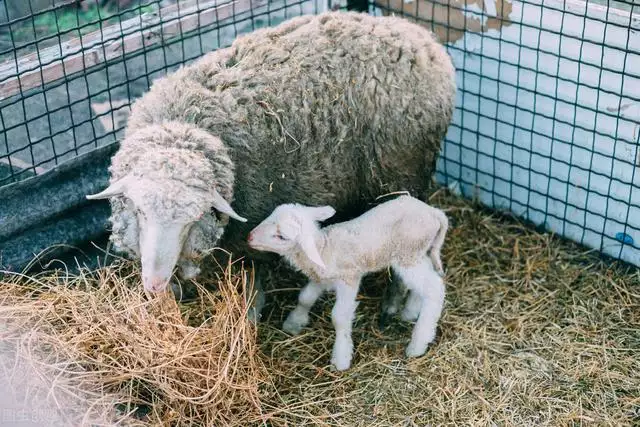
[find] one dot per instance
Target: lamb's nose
(250, 238)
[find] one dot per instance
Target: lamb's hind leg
(422, 279)
(394, 296)
(412, 307)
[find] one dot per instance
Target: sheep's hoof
(254, 315)
(177, 291)
(255, 311)
(189, 271)
(183, 295)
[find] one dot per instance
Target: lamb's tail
(438, 241)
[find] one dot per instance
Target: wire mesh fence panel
(70, 70)
(547, 121)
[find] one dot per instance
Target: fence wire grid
(547, 119)
(70, 71)
(547, 122)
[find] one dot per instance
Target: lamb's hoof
(292, 326)
(341, 363)
(413, 350)
(341, 355)
(409, 315)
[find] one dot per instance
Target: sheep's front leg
(255, 293)
(188, 269)
(299, 317)
(342, 317)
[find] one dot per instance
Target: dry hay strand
(102, 343)
(536, 331)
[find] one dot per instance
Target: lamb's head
(289, 228)
(171, 206)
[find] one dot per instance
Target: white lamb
(397, 234)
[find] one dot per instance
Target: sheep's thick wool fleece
(336, 109)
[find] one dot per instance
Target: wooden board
(447, 18)
(78, 54)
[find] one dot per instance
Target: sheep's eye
(280, 237)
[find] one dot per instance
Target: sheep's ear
(115, 189)
(321, 213)
(221, 205)
(308, 246)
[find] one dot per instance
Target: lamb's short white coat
(405, 234)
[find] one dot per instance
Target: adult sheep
(335, 109)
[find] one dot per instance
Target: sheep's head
(168, 214)
(288, 228)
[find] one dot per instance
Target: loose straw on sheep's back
(100, 335)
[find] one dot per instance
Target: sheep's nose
(156, 284)
(250, 238)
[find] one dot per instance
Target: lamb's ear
(115, 189)
(308, 246)
(221, 205)
(321, 213)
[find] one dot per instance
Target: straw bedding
(535, 331)
(113, 355)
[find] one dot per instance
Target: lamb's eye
(280, 237)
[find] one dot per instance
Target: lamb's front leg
(299, 317)
(342, 317)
